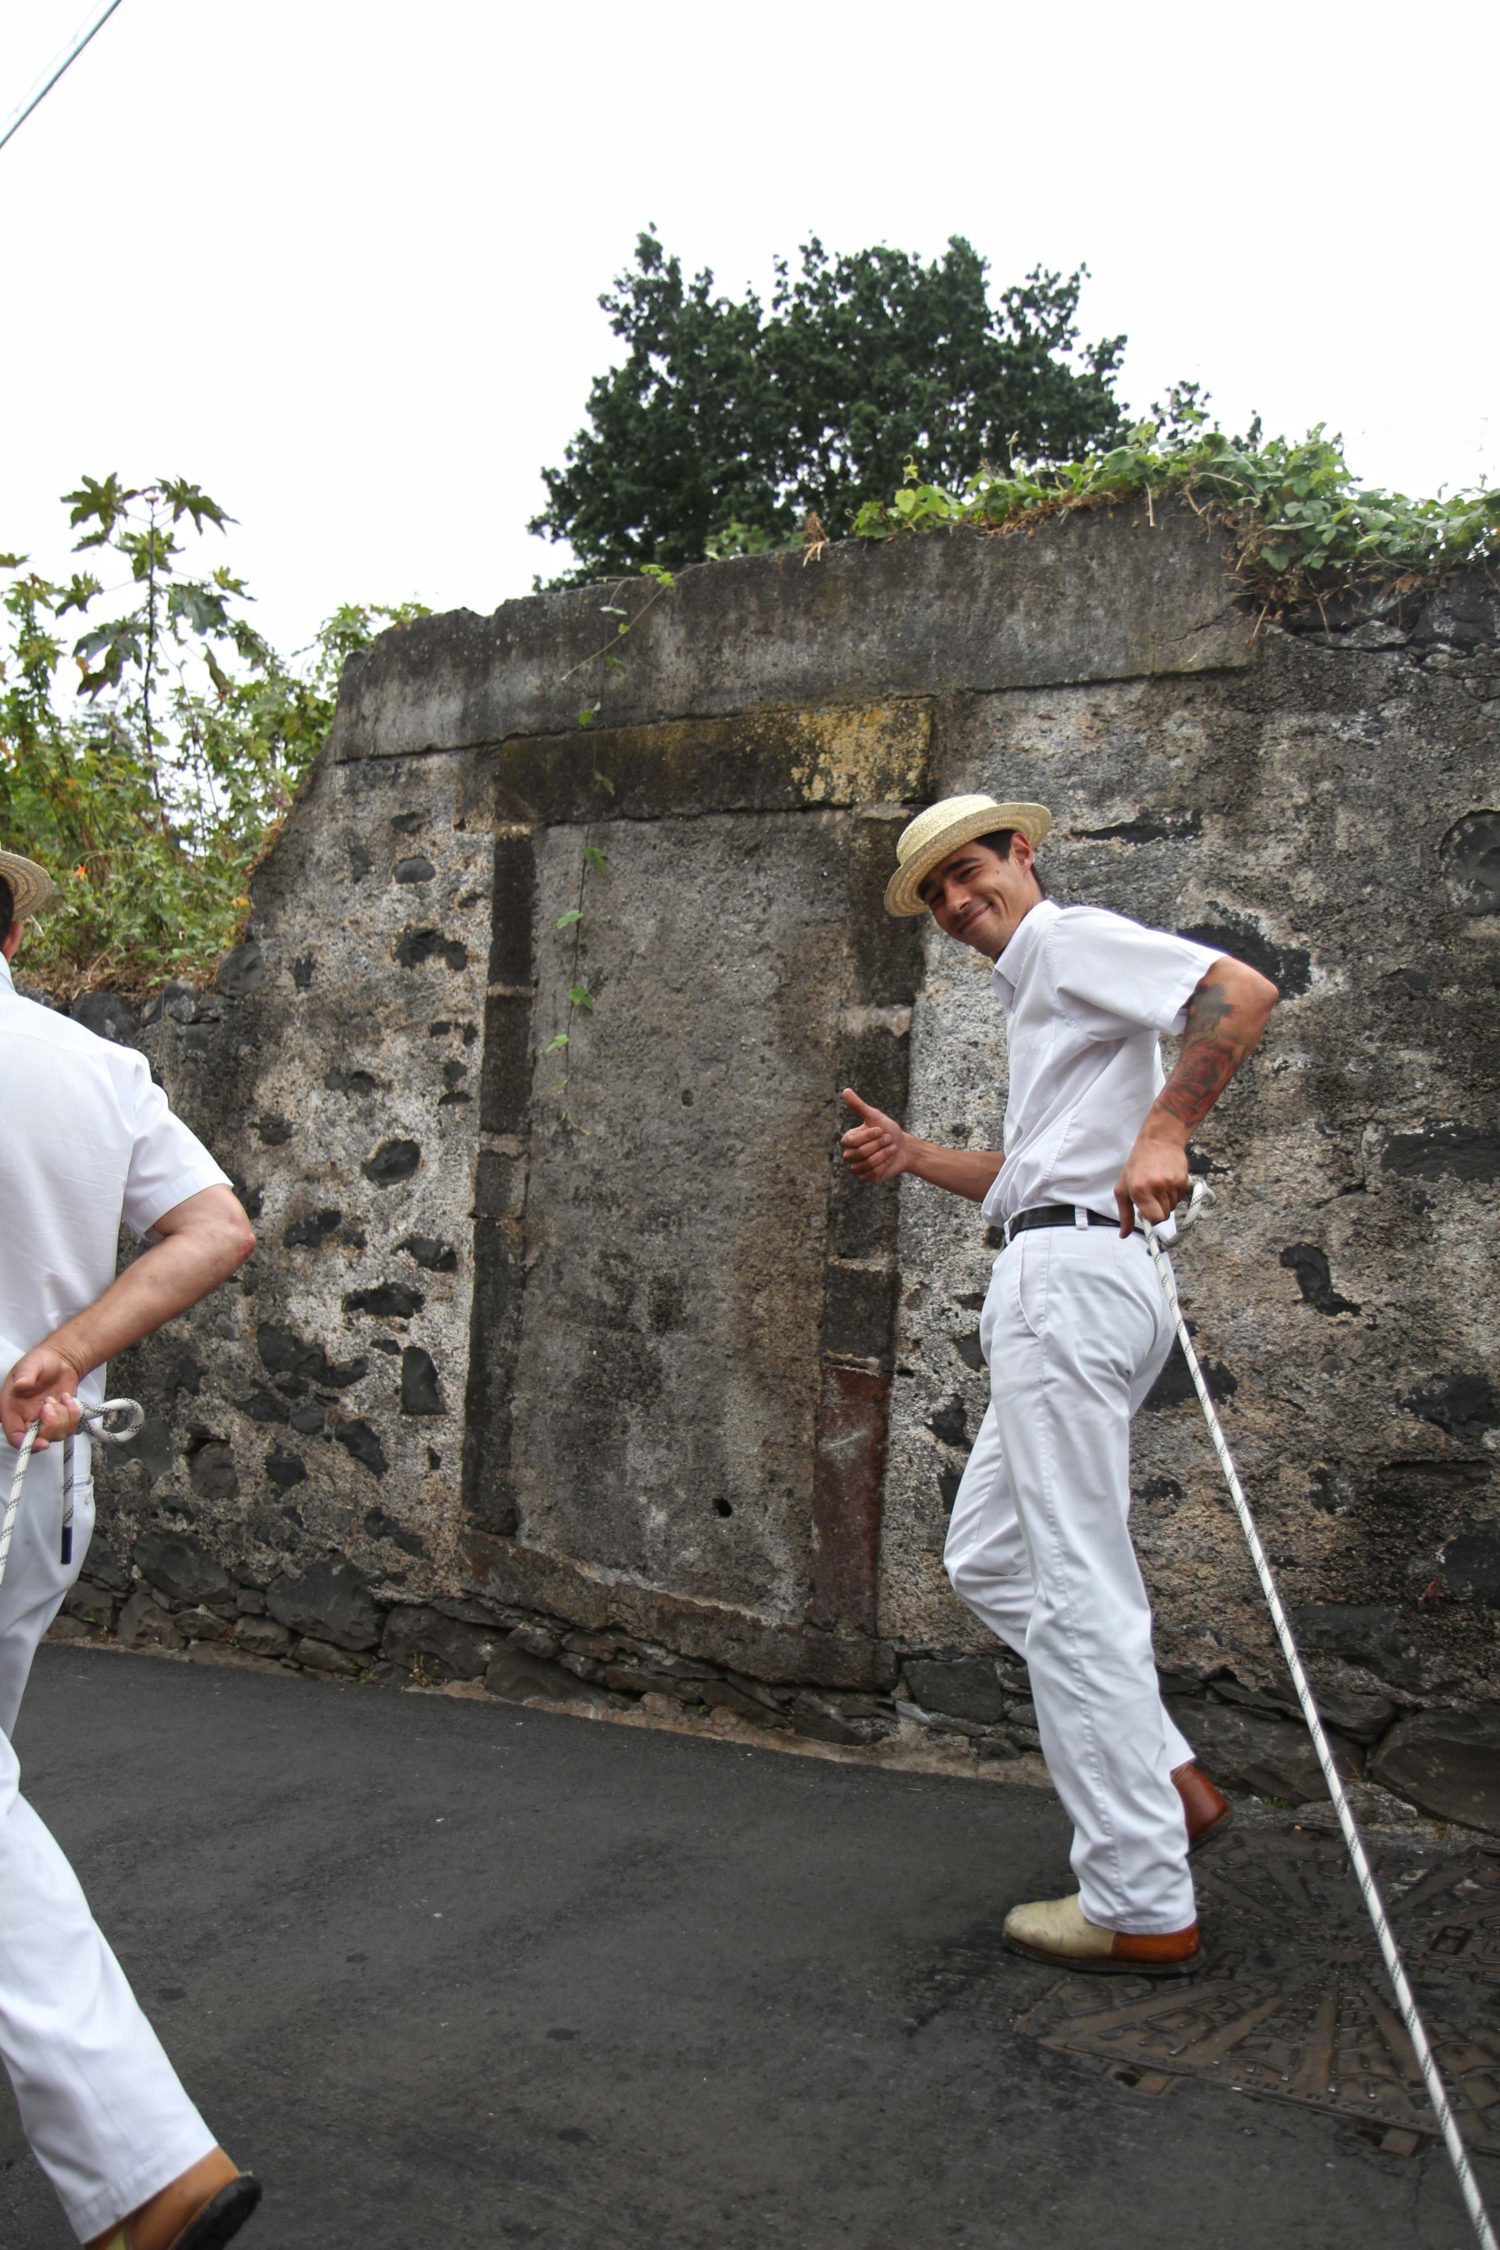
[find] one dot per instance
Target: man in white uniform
(1075, 1329)
(88, 1140)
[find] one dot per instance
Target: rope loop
(131, 1415)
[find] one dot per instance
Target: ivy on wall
(1304, 526)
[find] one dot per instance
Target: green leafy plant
(1302, 522)
(151, 739)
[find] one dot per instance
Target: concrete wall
(592, 1357)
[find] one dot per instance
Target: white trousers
(100, 2103)
(1076, 1329)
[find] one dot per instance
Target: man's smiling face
(977, 896)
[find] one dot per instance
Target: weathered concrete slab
(1084, 597)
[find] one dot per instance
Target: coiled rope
(95, 1418)
(1437, 2092)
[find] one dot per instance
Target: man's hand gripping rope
(96, 1418)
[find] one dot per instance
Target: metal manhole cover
(1295, 2003)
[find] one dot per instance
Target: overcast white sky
(338, 260)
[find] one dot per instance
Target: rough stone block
(90, 1604)
(720, 1695)
(389, 1300)
(505, 1074)
(601, 1645)
(262, 1636)
(627, 1681)
(243, 971)
(821, 1721)
(65, 1627)
(395, 1159)
(179, 1566)
(965, 1687)
(1362, 1714)
(202, 1625)
(1384, 1641)
(1446, 1763)
(520, 1678)
(362, 1442)
(536, 1640)
(319, 1656)
(330, 1601)
(212, 1471)
(424, 1641)
(143, 1623)
(1271, 1757)
(514, 902)
(420, 1391)
(101, 1566)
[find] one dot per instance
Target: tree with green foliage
(727, 422)
(152, 790)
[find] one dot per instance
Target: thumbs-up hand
(877, 1148)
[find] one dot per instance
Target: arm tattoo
(1211, 1054)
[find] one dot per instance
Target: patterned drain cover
(1295, 2004)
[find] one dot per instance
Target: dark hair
(1000, 841)
(7, 907)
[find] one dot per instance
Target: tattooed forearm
(1202, 1072)
(1225, 1018)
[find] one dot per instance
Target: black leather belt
(1055, 1215)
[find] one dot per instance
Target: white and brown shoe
(1057, 1931)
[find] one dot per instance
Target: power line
(80, 42)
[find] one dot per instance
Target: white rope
(81, 38)
(94, 1416)
(1437, 2093)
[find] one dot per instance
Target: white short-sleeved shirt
(86, 1142)
(1087, 994)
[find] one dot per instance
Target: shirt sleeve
(1106, 966)
(167, 1162)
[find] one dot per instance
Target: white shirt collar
(5, 971)
(1008, 970)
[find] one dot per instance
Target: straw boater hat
(924, 843)
(31, 886)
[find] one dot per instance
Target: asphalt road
(449, 1973)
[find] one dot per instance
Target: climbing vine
(661, 581)
(1303, 524)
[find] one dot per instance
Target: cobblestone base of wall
(329, 1620)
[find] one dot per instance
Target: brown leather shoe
(1057, 1931)
(1207, 1810)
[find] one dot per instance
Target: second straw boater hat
(31, 886)
(926, 841)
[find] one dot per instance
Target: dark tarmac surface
(450, 1973)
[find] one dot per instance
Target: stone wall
(585, 1369)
